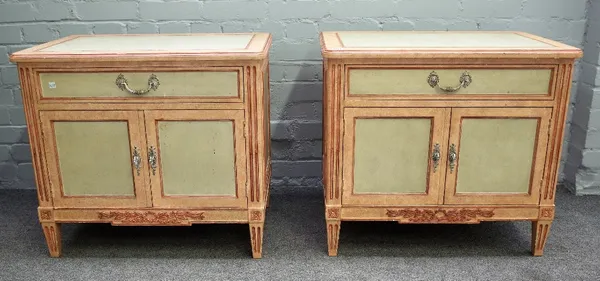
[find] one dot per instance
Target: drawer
(373, 82)
(211, 85)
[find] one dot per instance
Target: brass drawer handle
(152, 159)
(435, 156)
(452, 157)
(153, 84)
(137, 159)
(433, 80)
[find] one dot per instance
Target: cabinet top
(120, 47)
(442, 44)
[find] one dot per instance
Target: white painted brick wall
(157, 11)
(582, 167)
(296, 69)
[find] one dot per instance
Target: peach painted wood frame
(551, 109)
(249, 112)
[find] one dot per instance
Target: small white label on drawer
(52, 85)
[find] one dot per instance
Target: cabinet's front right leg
(539, 235)
(53, 238)
(333, 236)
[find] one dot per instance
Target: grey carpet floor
(295, 247)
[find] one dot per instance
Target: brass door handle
(435, 156)
(452, 157)
(153, 84)
(433, 80)
(152, 159)
(137, 159)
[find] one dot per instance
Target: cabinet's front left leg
(333, 236)
(53, 238)
(539, 235)
(256, 238)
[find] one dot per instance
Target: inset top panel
(124, 47)
(439, 40)
(440, 43)
(156, 43)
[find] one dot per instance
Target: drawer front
(376, 81)
(220, 85)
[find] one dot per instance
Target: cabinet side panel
(253, 115)
(555, 143)
(28, 80)
(333, 87)
(267, 129)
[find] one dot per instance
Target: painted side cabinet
(149, 130)
(443, 127)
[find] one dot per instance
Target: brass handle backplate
(152, 159)
(435, 156)
(433, 80)
(137, 159)
(153, 84)
(452, 157)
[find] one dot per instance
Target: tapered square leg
(333, 236)
(539, 235)
(256, 238)
(53, 238)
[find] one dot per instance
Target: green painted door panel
(94, 158)
(391, 155)
(496, 155)
(387, 156)
(197, 157)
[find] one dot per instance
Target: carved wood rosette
(547, 213)
(256, 216)
(333, 213)
(45, 215)
(185, 218)
(439, 215)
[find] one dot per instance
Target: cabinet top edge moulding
(442, 44)
(149, 47)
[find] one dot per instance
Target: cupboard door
(389, 155)
(92, 157)
(197, 158)
(500, 155)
